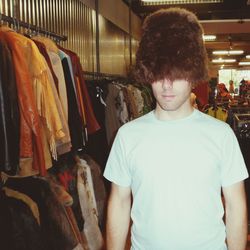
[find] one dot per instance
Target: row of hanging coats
(64, 210)
(45, 106)
(116, 100)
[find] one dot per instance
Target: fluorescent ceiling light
(244, 63)
(161, 2)
(228, 52)
(220, 60)
(248, 56)
(209, 37)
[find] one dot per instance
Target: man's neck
(171, 115)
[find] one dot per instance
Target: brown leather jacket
(30, 131)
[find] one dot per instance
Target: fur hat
(171, 47)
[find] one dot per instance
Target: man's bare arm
(118, 217)
(236, 216)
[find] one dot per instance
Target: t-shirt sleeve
(233, 165)
(117, 169)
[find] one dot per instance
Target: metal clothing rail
(19, 23)
(100, 76)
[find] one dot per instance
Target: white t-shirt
(176, 170)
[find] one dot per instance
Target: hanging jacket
(64, 144)
(55, 61)
(92, 124)
(30, 129)
(55, 227)
(19, 229)
(9, 118)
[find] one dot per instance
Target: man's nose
(167, 84)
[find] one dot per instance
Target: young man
(168, 167)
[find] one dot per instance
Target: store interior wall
(76, 19)
(115, 49)
(117, 12)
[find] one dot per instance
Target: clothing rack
(240, 109)
(18, 23)
(98, 75)
(95, 76)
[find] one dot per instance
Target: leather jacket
(9, 114)
(30, 130)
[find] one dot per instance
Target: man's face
(172, 95)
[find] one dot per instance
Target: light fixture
(248, 56)
(220, 60)
(228, 52)
(209, 37)
(244, 63)
(162, 2)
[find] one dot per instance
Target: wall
(114, 48)
(212, 71)
(117, 12)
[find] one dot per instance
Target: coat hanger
(29, 32)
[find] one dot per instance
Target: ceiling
(228, 20)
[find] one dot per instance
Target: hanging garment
(79, 235)
(129, 99)
(137, 99)
(148, 98)
(45, 103)
(121, 105)
(55, 226)
(44, 52)
(63, 145)
(66, 173)
(99, 189)
(19, 228)
(98, 92)
(53, 53)
(30, 129)
(92, 124)
(68, 72)
(76, 125)
(62, 56)
(26, 199)
(91, 229)
(218, 113)
(10, 116)
(112, 122)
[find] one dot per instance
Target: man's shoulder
(137, 124)
(212, 124)
(209, 119)
(140, 121)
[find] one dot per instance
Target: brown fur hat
(171, 47)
